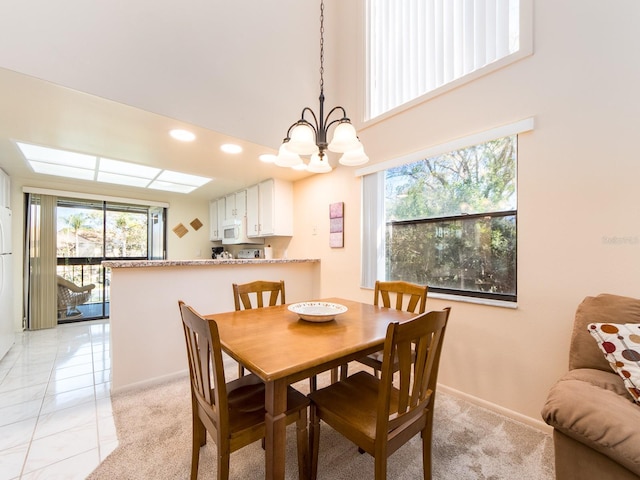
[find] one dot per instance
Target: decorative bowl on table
(317, 311)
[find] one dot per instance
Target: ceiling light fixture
(231, 148)
(267, 157)
(182, 135)
(310, 138)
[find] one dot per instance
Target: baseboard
(511, 414)
(151, 382)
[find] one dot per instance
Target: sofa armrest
(593, 407)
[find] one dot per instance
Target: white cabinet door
(221, 211)
(241, 204)
(214, 225)
(253, 214)
(267, 214)
(270, 209)
(5, 190)
(236, 205)
(230, 206)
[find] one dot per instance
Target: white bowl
(317, 311)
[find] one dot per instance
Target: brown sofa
(596, 423)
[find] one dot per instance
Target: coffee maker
(216, 252)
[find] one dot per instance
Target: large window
(447, 219)
(417, 46)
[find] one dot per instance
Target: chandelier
(308, 136)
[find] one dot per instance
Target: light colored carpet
(154, 432)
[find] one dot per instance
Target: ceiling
(113, 78)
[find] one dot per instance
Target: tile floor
(55, 409)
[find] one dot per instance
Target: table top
(274, 343)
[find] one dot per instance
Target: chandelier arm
(337, 120)
(313, 125)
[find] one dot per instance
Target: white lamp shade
(344, 138)
(318, 165)
(353, 158)
(287, 158)
(302, 140)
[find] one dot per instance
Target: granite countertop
(208, 263)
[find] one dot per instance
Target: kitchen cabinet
(270, 209)
(5, 190)
(236, 205)
(214, 223)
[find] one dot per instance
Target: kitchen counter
(147, 341)
(197, 262)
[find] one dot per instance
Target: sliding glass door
(88, 232)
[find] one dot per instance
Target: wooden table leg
(275, 426)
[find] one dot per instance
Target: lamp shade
(344, 138)
(287, 158)
(302, 140)
(353, 158)
(319, 164)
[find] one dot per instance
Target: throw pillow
(620, 344)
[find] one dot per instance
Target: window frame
(373, 216)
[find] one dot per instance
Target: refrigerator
(7, 330)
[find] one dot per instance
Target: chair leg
(223, 465)
(313, 383)
(314, 439)
(199, 438)
(335, 374)
(303, 445)
(380, 467)
(426, 451)
(240, 371)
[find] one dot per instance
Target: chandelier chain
(321, 46)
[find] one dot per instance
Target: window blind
(416, 46)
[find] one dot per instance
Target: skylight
(61, 163)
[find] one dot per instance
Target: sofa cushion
(605, 308)
(620, 344)
(593, 407)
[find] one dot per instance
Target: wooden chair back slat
(415, 295)
(242, 294)
(417, 380)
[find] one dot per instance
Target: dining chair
(375, 414)
(401, 296)
(242, 294)
(233, 413)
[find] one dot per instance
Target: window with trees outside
(447, 219)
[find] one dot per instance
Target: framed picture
(336, 225)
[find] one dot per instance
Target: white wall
(577, 179)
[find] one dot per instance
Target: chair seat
(354, 401)
(245, 396)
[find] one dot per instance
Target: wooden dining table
(281, 349)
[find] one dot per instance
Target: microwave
(234, 232)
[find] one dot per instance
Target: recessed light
(182, 135)
(231, 148)
(267, 158)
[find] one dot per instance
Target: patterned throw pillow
(620, 344)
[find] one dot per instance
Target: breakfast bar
(147, 344)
